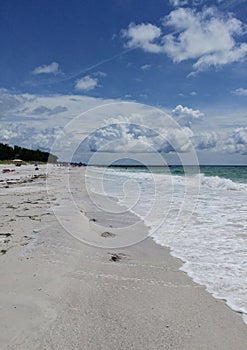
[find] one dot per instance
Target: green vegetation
(9, 153)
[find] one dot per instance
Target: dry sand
(58, 293)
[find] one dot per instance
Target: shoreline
(58, 293)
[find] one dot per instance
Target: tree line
(9, 153)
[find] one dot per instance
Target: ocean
(200, 214)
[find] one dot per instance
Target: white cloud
(29, 136)
(236, 54)
(240, 92)
(177, 140)
(86, 83)
(227, 4)
(205, 140)
(142, 36)
(237, 141)
(140, 132)
(28, 119)
(36, 121)
(116, 128)
(193, 93)
(207, 37)
(100, 74)
(52, 68)
(134, 138)
(146, 66)
(177, 3)
(185, 116)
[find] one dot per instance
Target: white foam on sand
(210, 238)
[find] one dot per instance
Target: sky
(125, 77)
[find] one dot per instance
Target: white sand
(58, 293)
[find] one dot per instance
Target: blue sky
(186, 57)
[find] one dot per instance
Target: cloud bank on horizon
(186, 57)
(128, 128)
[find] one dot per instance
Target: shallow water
(202, 217)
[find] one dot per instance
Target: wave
(212, 240)
(212, 182)
(216, 182)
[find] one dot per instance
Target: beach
(60, 293)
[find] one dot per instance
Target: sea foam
(202, 219)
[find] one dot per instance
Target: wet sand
(59, 293)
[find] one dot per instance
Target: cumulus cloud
(193, 93)
(240, 92)
(29, 137)
(119, 127)
(52, 68)
(237, 141)
(208, 37)
(146, 66)
(176, 140)
(125, 136)
(86, 83)
(112, 138)
(205, 140)
(142, 36)
(186, 116)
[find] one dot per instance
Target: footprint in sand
(108, 235)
